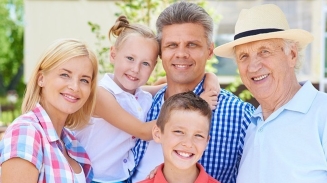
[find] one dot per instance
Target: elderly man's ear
(293, 56)
(156, 134)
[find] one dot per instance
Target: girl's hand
(152, 173)
(211, 97)
(211, 83)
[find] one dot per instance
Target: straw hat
(262, 22)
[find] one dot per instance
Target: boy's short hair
(187, 101)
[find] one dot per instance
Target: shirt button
(125, 160)
(140, 109)
(133, 137)
(261, 129)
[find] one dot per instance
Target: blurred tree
(12, 46)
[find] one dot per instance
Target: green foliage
(102, 51)
(11, 57)
(140, 11)
(233, 87)
(6, 115)
(11, 43)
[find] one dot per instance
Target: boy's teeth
(186, 155)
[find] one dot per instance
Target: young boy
(182, 129)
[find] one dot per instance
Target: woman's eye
(64, 75)
(85, 81)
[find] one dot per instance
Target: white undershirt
(80, 176)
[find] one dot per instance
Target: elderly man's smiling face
(265, 69)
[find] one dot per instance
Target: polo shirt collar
(301, 102)
(202, 177)
(114, 88)
(303, 99)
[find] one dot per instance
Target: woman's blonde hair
(58, 53)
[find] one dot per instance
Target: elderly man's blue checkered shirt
(229, 123)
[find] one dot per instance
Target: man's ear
(112, 54)
(156, 134)
(211, 47)
(294, 57)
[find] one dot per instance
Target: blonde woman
(37, 147)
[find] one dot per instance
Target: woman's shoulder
(26, 121)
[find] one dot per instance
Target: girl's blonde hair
(58, 53)
(122, 29)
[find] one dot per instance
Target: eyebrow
(195, 42)
(84, 76)
(238, 53)
(191, 41)
(263, 47)
(258, 48)
(183, 127)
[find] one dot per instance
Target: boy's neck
(175, 175)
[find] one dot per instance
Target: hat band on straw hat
(255, 32)
(259, 23)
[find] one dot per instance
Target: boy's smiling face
(185, 137)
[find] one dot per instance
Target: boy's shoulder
(204, 177)
(212, 180)
(147, 181)
(158, 177)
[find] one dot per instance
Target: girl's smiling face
(134, 61)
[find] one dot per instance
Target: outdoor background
(27, 27)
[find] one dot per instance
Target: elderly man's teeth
(260, 77)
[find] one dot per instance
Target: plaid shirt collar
(73, 148)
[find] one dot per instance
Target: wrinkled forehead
(258, 45)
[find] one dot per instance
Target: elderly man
(185, 35)
(287, 138)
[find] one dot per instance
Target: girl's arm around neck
(109, 109)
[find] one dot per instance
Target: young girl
(37, 147)
(113, 131)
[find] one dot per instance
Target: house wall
(48, 20)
